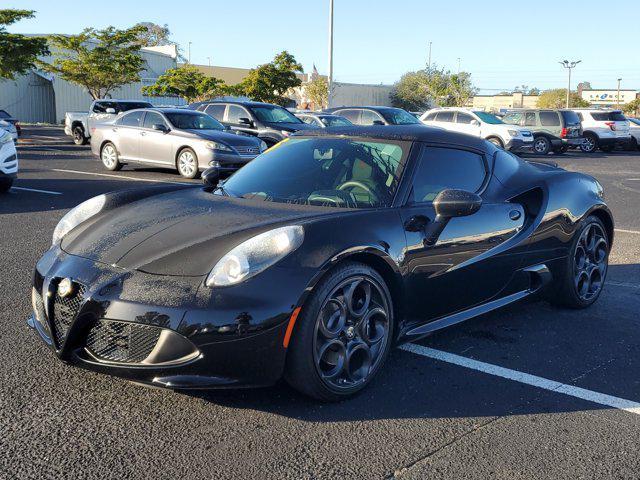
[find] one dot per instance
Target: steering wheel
(357, 184)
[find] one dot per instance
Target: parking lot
(530, 391)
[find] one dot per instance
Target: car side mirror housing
(160, 127)
(211, 177)
(475, 123)
(452, 203)
(110, 110)
(378, 122)
(245, 121)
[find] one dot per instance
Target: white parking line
(622, 284)
(48, 192)
(120, 177)
(528, 379)
(627, 231)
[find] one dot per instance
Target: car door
(369, 117)
(444, 119)
(156, 146)
(550, 122)
(461, 266)
(351, 114)
(234, 114)
(216, 110)
(465, 123)
(127, 131)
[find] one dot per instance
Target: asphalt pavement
(530, 391)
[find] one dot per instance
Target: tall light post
(330, 80)
(569, 66)
(618, 101)
(458, 65)
(209, 60)
(189, 53)
(429, 62)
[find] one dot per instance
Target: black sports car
(314, 259)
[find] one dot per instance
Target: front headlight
(263, 146)
(5, 137)
(285, 133)
(513, 133)
(255, 255)
(76, 216)
(218, 146)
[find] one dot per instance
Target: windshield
(397, 116)
(126, 106)
(335, 121)
(634, 120)
(193, 121)
(4, 114)
(488, 118)
(334, 172)
(274, 114)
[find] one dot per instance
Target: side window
(101, 107)
(549, 119)
(352, 115)
(530, 119)
(367, 117)
(580, 116)
(464, 118)
(235, 113)
(442, 168)
(215, 110)
(430, 117)
(444, 117)
(131, 119)
(309, 120)
(153, 118)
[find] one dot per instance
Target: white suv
(634, 130)
(480, 124)
(603, 129)
(8, 161)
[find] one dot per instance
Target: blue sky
(502, 43)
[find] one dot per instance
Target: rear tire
(187, 163)
(79, 137)
(343, 334)
(562, 150)
(589, 144)
(109, 157)
(586, 266)
(541, 145)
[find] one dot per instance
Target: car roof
(412, 133)
(247, 103)
(369, 107)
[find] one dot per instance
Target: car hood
(179, 233)
(229, 138)
(291, 127)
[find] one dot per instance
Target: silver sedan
(186, 140)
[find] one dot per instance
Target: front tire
(109, 157)
(586, 266)
(5, 185)
(343, 335)
(187, 163)
(496, 141)
(541, 145)
(79, 137)
(589, 144)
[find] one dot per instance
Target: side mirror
(110, 110)
(245, 121)
(211, 177)
(475, 123)
(160, 127)
(378, 122)
(452, 203)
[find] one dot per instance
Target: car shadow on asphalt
(532, 336)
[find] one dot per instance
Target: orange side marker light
(292, 322)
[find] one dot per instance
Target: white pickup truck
(79, 125)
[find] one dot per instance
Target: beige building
(495, 103)
(233, 75)
(609, 98)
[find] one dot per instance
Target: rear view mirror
(211, 177)
(475, 123)
(452, 203)
(245, 121)
(110, 110)
(160, 127)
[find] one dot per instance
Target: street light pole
(618, 101)
(458, 65)
(330, 80)
(429, 63)
(569, 66)
(189, 54)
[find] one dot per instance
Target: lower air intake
(122, 342)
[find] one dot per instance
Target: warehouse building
(42, 97)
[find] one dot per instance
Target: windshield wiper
(220, 188)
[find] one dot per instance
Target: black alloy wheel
(589, 144)
(541, 145)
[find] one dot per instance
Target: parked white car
(8, 161)
(603, 129)
(480, 124)
(634, 130)
(80, 125)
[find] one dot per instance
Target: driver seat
(362, 172)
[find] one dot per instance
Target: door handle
(142, 134)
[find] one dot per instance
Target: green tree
(632, 108)
(18, 53)
(557, 98)
(432, 86)
(318, 92)
(98, 60)
(270, 82)
(187, 82)
(153, 35)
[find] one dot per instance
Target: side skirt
(540, 277)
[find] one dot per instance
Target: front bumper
(210, 340)
(8, 160)
(519, 145)
(621, 141)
